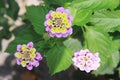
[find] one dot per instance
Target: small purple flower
(30, 45)
(29, 67)
(19, 47)
(38, 56)
(26, 56)
(86, 61)
(18, 61)
(58, 23)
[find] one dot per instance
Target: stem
(86, 27)
(83, 29)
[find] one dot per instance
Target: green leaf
(108, 20)
(5, 33)
(58, 58)
(23, 37)
(57, 2)
(13, 9)
(2, 4)
(42, 46)
(81, 17)
(73, 44)
(95, 4)
(37, 17)
(116, 42)
(97, 40)
(115, 54)
(113, 60)
(82, 10)
(119, 71)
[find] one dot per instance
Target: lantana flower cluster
(86, 61)
(58, 23)
(27, 56)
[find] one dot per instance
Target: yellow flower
(58, 14)
(18, 55)
(32, 50)
(53, 30)
(67, 25)
(63, 15)
(58, 30)
(63, 30)
(65, 21)
(32, 55)
(54, 15)
(23, 63)
(24, 47)
(49, 22)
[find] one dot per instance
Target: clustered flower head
(27, 56)
(58, 23)
(86, 61)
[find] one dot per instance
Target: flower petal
(32, 50)
(58, 35)
(34, 62)
(19, 47)
(18, 61)
(51, 34)
(60, 9)
(18, 55)
(24, 47)
(65, 35)
(47, 28)
(67, 11)
(38, 56)
(23, 63)
(32, 55)
(87, 69)
(70, 18)
(30, 45)
(29, 67)
(70, 31)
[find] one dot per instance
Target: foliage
(94, 40)
(108, 20)
(38, 18)
(12, 11)
(99, 21)
(94, 4)
(62, 58)
(23, 37)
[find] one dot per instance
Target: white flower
(86, 61)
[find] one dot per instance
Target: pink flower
(38, 56)
(34, 62)
(18, 61)
(86, 61)
(30, 45)
(19, 47)
(26, 56)
(58, 23)
(76, 54)
(29, 67)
